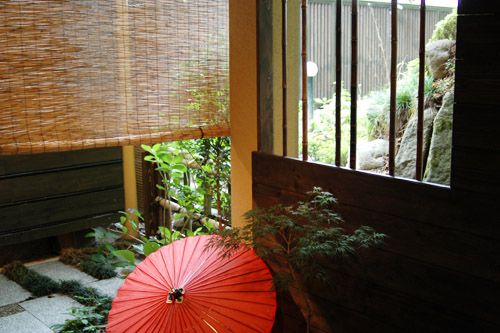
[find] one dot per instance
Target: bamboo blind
(84, 74)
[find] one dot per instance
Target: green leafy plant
(322, 129)
(195, 176)
(446, 28)
(297, 242)
(90, 318)
(116, 247)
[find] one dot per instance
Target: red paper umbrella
(184, 287)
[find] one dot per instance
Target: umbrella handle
(175, 294)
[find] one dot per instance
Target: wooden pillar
(243, 102)
(129, 179)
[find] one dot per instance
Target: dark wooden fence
(43, 195)
(374, 55)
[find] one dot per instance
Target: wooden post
(129, 182)
(394, 61)
(305, 128)
(354, 84)
(338, 81)
(421, 97)
(284, 23)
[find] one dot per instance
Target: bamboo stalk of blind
(97, 73)
(393, 86)
(421, 81)
(338, 80)
(305, 127)
(284, 22)
(354, 83)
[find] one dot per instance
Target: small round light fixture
(312, 69)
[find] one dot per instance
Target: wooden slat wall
(439, 270)
(374, 64)
(44, 195)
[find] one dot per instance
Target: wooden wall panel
(51, 194)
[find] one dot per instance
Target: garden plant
(297, 242)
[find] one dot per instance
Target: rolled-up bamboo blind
(82, 74)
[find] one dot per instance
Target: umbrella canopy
(185, 287)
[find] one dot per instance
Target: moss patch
(37, 284)
(84, 260)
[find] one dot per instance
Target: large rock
(370, 155)
(406, 157)
(439, 160)
(436, 55)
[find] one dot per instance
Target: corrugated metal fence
(374, 42)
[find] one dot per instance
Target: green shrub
(89, 261)
(90, 318)
(30, 280)
(446, 28)
(98, 270)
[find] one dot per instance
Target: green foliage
(302, 235)
(86, 320)
(112, 251)
(99, 270)
(37, 284)
(322, 129)
(90, 318)
(446, 28)
(89, 261)
(376, 105)
(196, 175)
(126, 255)
(296, 241)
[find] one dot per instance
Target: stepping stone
(107, 287)
(9, 310)
(51, 310)
(56, 270)
(11, 292)
(23, 322)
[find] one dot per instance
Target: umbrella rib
(203, 283)
(203, 310)
(202, 260)
(233, 284)
(165, 320)
(204, 273)
(188, 314)
(224, 272)
(233, 319)
(125, 318)
(231, 308)
(167, 283)
(140, 281)
(233, 300)
(125, 309)
(165, 262)
(152, 277)
(153, 320)
(172, 261)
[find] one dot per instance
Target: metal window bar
(393, 86)
(421, 81)
(284, 23)
(338, 80)
(304, 82)
(354, 83)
